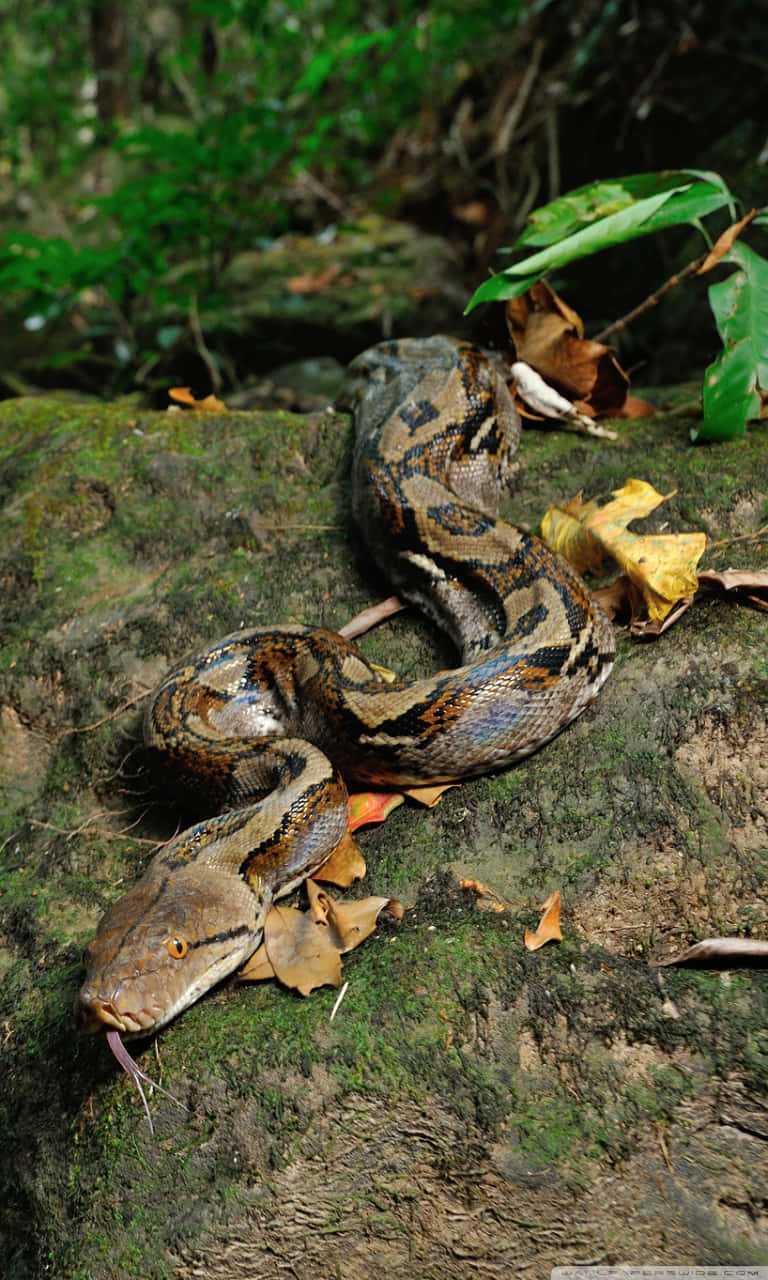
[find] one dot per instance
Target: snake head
(163, 944)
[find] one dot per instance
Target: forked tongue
(137, 1075)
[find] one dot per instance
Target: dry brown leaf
(316, 283)
(634, 407)
(549, 335)
(428, 796)
(303, 949)
(662, 566)
(751, 585)
(548, 928)
(743, 586)
(258, 968)
(345, 865)
(209, 404)
(496, 903)
(724, 242)
(723, 953)
(476, 213)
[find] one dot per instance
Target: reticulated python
(271, 720)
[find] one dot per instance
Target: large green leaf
(732, 384)
(687, 201)
(563, 217)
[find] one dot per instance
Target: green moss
(130, 538)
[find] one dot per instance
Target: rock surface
(473, 1109)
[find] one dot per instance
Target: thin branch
(739, 537)
(651, 301)
(205, 355)
(88, 728)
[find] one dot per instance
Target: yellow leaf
(209, 404)
(662, 566)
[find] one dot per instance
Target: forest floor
(472, 1109)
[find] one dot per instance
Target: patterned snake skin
(270, 720)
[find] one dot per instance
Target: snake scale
(273, 722)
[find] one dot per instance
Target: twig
(651, 301)
(553, 152)
(739, 537)
(509, 124)
(205, 355)
(100, 831)
(266, 526)
(87, 728)
(339, 999)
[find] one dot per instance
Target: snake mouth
(95, 1014)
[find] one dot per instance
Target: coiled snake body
(271, 720)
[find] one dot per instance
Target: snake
(273, 723)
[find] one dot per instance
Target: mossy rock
(472, 1108)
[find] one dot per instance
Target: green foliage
(733, 382)
(603, 215)
(198, 176)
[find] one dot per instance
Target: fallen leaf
(368, 807)
(476, 213)
(724, 242)
(548, 928)
(662, 566)
(209, 404)
(622, 597)
(258, 968)
(751, 585)
(303, 949)
(549, 335)
(635, 407)
(428, 796)
(496, 903)
(723, 953)
(346, 864)
(314, 283)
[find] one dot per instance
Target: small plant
(605, 214)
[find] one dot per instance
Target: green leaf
(580, 208)
(685, 202)
(731, 392)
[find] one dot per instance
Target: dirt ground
(472, 1109)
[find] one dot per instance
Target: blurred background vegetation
(145, 146)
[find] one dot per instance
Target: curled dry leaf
(428, 796)
(315, 283)
(748, 585)
(549, 335)
(742, 586)
(495, 901)
(346, 864)
(548, 928)
(661, 566)
(209, 404)
(723, 953)
(303, 949)
(724, 242)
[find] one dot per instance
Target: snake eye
(177, 947)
